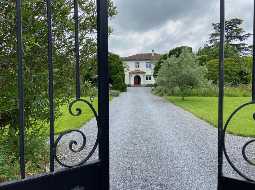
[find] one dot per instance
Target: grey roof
(142, 57)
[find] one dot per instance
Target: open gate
(95, 175)
(86, 174)
(226, 182)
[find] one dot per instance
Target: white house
(139, 69)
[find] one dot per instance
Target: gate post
(103, 90)
(221, 93)
(20, 81)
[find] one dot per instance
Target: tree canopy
(212, 52)
(235, 35)
(173, 52)
(236, 53)
(34, 22)
(35, 53)
(234, 72)
(183, 72)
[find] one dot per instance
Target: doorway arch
(137, 80)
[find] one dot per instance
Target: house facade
(139, 69)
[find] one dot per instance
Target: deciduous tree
(34, 22)
(183, 72)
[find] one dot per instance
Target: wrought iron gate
(223, 181)
(95, 175)
(86, 174)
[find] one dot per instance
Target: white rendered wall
(130, 66)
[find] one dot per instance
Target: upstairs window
(137, 65)
(148, 65)
(148, 77)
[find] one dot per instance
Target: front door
(137, 80)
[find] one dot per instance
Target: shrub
(149, 85)
(114, 93)
(182, 73)
(235, 72)
(210, 90)
(36, 153)
(240, 91)
(176, 52)
(117, 74)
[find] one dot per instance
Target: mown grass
(206, 108)
(67, 121)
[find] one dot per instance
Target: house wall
(130, 66)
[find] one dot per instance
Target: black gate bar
(103, 90)
(221, 90)
(20, 88)
(77, 49)
(253, 56)
(100, 168)
(223, 181)
(50, 85)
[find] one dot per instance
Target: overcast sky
(143, 25)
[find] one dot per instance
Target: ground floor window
(148, 77)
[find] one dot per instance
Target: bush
(149, 85)
(36, 153)
(235, 72)
(240, 91)
(211, 90)
(202, 91)
(176, 52)
(118, 84)
(114, 93)
(182, 73)
(117, 74)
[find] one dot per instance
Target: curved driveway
(156, 145)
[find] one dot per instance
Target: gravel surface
(156, 145)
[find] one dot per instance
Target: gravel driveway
(156, 145)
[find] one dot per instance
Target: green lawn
(206, 108)
(66, 121)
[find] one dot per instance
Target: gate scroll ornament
(244, 147)
(78, 111)
(223, 181)
(72, 143)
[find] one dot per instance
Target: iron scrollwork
(72, 143)
(245, 146)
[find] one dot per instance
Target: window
(148, 65)
(137, 65)
(148, 77)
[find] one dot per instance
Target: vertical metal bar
(77, 50)
(103, 89)
(20, 88)
(221, 92)
(50, 83)
(253, 56)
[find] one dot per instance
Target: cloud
(143, 25)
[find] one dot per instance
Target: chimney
(153, 53)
